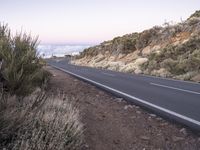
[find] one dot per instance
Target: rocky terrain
(168, 51)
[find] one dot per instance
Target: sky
(90, 21)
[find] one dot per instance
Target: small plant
(196, 14)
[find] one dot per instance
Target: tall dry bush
(21, 68)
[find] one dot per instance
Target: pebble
(144, 138)
(103, 116)
(183, 131)
(86, 146)
(133, 117)
(159, 119)
(199, 139)
(116, 141)
(119, 99)
(152, 115)
(177, 138)
(127, 106)
(137, 107)
(138, 112)
(164, 124)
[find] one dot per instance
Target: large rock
(134, 66)
(140, 61)
(138, 64)
(196, 78)
(161, 72)
(128, 68)
(148, 50)
(115, 65)
(99, 58)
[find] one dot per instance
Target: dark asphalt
(176, 100)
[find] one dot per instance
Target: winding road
(176, 100)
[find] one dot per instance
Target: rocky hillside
(167, 51)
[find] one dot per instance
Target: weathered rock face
(148, 50)
(168, 51)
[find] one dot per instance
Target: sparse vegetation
(178, 60)
(146, 37)
(125, 44)
(31, 120)
(172, 50)
(39, 122)
(196, 14)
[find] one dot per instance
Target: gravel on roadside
(113, 124)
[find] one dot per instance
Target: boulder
(161, 72)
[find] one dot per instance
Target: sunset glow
(90, 21)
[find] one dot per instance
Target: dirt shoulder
(113, 124)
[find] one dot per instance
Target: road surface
(176, 100)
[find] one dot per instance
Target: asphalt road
(177, 100)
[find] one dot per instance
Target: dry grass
(39, 122)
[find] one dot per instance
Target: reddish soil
(112, 124)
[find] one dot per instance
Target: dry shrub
(39, 122)
(146, 37)
(178, 60)
(21, 69)
(193, 21)
(195, 14)
(125, 44)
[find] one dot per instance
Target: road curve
(177, 100)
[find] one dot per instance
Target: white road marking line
(170, 79)
(134, 98)
(174, 88)
(112, 75)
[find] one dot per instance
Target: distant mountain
(167, 51)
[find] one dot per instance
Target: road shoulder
(111, 123)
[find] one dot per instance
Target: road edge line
(174, 88)
(134, 98)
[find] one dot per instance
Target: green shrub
(129, 45)
(196, 14)
(21, 66)
(146, 37)
(193, 61)
(173, 66)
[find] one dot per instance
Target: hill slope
(167, 51)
